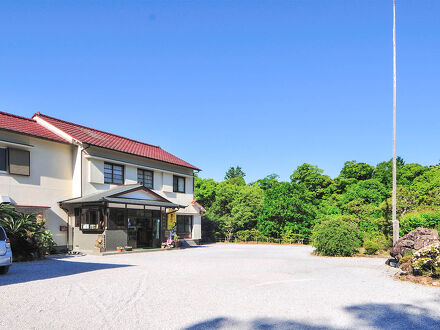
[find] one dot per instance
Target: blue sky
(267, 85)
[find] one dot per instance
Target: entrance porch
(127, 216)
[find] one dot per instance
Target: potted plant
(119, 248)
(128, 248)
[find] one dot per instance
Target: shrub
(336, 237)
(378, 239)
(426, 261)
(29, 238)
(407, 257)
(371, 247)
(425, 219)
(243, 235)
(288, 236)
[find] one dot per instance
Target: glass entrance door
(141, 228)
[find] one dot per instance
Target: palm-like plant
(27, 234)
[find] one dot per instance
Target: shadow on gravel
(377, 316)
(394, 316)
(50, 268)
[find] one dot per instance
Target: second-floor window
(145, 178)
(15, 161)
(178, 184)
(113, 173)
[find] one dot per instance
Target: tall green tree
(286, 206)
(268, 181)
(384, 171)
(204, 191)
(234, 172)
(312, 178)
(357, 171)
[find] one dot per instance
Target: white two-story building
(94, 186)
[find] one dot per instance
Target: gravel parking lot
(217, 286)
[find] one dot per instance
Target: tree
(236, 207)
(358, 171)
(368, 191)
(286, 206)
(312, 178)
(234, 172)
(268, 181)
(363, 199)
(409, 172)
(273, 208)
(384, 171)
(204, 191)
(427, 186)
(407, 201)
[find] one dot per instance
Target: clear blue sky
(267, 85)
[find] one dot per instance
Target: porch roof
(116, 195)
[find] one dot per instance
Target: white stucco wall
(50, 180)
(130, 174)
(197, 227)
(76, 178)
(167, 182)
(157, 180)
(162, 180)
(95, 171)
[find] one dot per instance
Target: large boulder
(414, 240)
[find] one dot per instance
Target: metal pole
(394, 217)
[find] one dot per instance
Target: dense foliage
(336, 237)
(422, 218)
(426, 261)
(28, 236)
(285, 210)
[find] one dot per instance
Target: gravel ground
(214, 287)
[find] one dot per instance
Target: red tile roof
(115, 142)
(26, 126)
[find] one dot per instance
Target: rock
(414, 240)
(406, 267)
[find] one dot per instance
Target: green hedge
(425, 219)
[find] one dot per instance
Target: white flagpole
(395, 221)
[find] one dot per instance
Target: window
(184, 226)
(113, 173)
(117, 219)
(92, 219)
(178, 184)
(145, 178)
(17, 161)
(3, 159)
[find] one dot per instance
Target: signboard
(172, 218)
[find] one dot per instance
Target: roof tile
(115, 142)
(26, 126)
